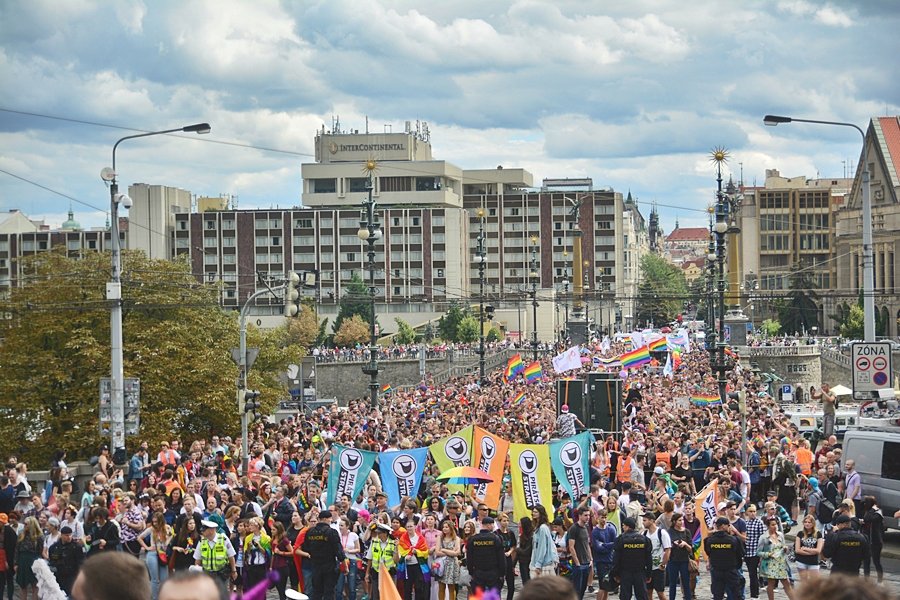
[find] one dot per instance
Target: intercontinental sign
(334, 148)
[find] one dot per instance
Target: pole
(720, 228)
(242, 381)
(534, 302)
(114, 296)
(369, 231)
(481, 260)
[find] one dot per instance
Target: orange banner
(489, 455)
(705, 503)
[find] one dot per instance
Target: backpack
(824, 509)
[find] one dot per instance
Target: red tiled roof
(890, 127)
(689, 234)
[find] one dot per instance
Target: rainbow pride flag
(696, 539)
(659, 345)
(676, 359)
(705, 400)
(635, 358)
(386, 389)
(533, 372)
(519, 399)
(514, 366)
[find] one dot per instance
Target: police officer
(323, 544)
(726, 554)
(485, 558)
(215, 554)
(382, 552)
(846, 548)
(632, 562)
(65, 558)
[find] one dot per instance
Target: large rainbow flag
(659, 345)
(635, 358)
(706, 400)
(514, 366)
(533, 372)
(519, 399)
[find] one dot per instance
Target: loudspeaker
(603, 401)
(571, 392)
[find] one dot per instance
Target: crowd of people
(184, 505)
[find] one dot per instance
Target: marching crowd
(185, 504)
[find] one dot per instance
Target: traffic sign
(787, 393)
(872, 369)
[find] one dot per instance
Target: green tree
(799, 310)
(467, 330)
(494, 335)
(770, 327)
(448, 324)
(853, 326)
(405, 333)
(662, 291)
(176, 340)
(355, 301)
(354, 330)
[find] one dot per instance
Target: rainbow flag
(676, 359)
(635, 358)
(386, 389)
(659, 345)
(695, 543)
(533, 372)
(514, 366)
(706, 400)
(518, 400)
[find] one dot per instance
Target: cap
(838, 520)
(722, 521)
(209, 524)
(53, 521)
(66, 530)
(629, 522)
(383, 527)
(325, 514)
(649, 514)
(23, 494)
(658, 470)
(382, 494)
(565, 408)
(487, 521)
(721, 506)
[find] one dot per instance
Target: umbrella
(840, 390)
(465, 476)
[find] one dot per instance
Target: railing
(836, 357)
(783, 350)
(491, 362)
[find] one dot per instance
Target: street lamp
(370, 232)
(480, 260)
(565, 283)
(114, 293)
(586, 284)
(534, 303)
(868, 252)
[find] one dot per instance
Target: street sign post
(871, 367)
(132, 396)
(787, 393)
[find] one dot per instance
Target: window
(492, 212)
(228, 241)
(511, 212)
(324, 222)
(396, 290)
(262, 241)
(438, 238)
(323, 186)
(326, 240)
(262, 258)
(604, 225)
(557, 226)
(350, 240)
(415, 221)
(397, 238)
(890, 461)
(357, 184)
(28, 245)
(395, 184)
(261, 224)
(440, 274)
(210, 224)
(73, 244)
(351, 257)
(438, 255)
(304, 240)
(227, 223)
(428, 184)
(350, 222)
(210, 259)
(42, 245)
(228, 259)
(210, 242)
(276, 257)
(303, 224)
(437, 220)
(92, 244)
(182, 225)
(307, 258)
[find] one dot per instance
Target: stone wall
(346, 381)
(797, 365)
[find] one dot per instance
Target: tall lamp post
(565, 283)
(868, 250)
(720, 227)
(534, 303)
(114, 292)
(710, 339)
(370, 232)
(480, 259)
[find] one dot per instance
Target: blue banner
(570, 459)
(401, 473)
(347, 472)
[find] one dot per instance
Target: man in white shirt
(661, 548)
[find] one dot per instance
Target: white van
(877, 455)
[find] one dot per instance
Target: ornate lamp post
(480, 260)
(370, 232)
(720, 227)
(534, 303)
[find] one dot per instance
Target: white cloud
(828, 14)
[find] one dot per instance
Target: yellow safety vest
(214, 556)
(383, 553)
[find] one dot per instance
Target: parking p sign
(871, 367)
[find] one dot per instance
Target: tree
(853, 327)
(405, 333)
(798, 311)
(355, 301)
(662, 290)
(467, 330)
(493, 335)
(354, 330)
(177, 341)
(770, 327)
(448, 324)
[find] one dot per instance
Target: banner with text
(705, 508)
(570, 459)
(489, 456)
(529, 467)
(401, 473)
(455, 450)
(347, 472)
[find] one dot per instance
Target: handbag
(693, 566)
(465, 578)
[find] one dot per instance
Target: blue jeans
(580, 578)
(159, 572)
(348, 578)
(676, 570)
(307, 578)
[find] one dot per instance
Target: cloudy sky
(632, 94)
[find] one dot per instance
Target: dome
(71, 224)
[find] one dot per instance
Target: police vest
(383, 553)
(623, 469)
(214, 555)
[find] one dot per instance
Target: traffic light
(292, 295)
(251, 402)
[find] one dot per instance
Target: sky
(633, 94)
